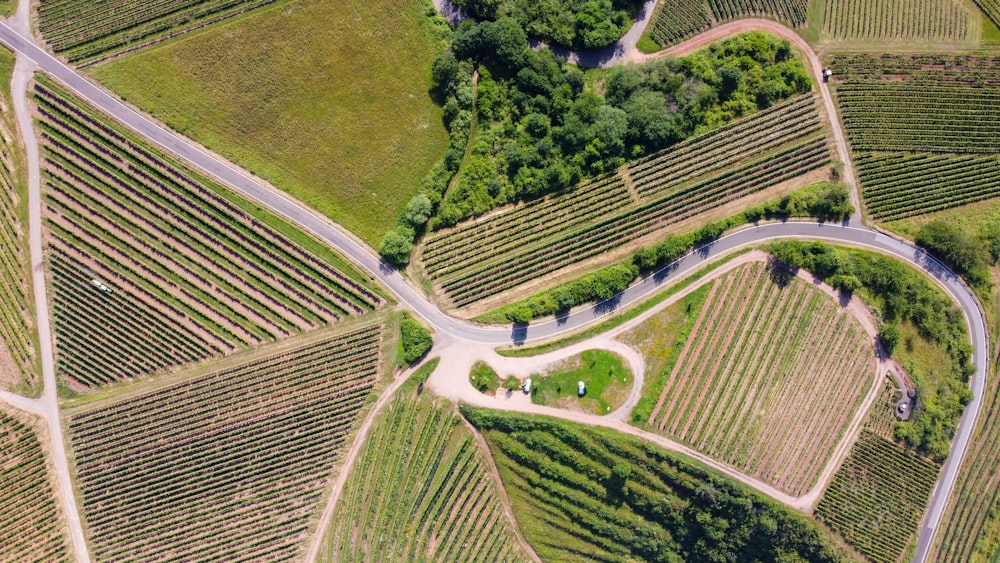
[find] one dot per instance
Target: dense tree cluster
(901, 294)
(575, 24)
(970, 256)
(540, 128)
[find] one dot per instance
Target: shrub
(415, 339)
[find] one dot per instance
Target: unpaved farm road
(455, 331)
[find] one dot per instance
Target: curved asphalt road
(363, 257)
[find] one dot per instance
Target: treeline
(968, 255)
(828, 202)
(539, 128)
(899, 294)
(594, 494)
(574, 24)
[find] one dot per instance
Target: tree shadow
(781, 275)
(519, 333)
(609, 305)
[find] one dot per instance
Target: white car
(903, 407)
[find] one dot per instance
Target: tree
(889, 337)
(396, 248)
(415, 339)
(418, 211)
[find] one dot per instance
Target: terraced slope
(925, 129)
(421, 490)
(767, 380)
(153, 266)
(86, 30)
(31, 525)
(229, 466)
(486, 256)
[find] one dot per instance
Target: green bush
(485, 379)
(415, 339)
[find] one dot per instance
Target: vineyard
(749, 398)
(153, 267)
(486, 256)
(17, 351)
(939, 21)
(676, 20)
(230, 466)
(970, 517)
(991, 8)
(878, 497)
(420, 491)
(32, 527)
(588, 494)
(85, 31)
(925, 129)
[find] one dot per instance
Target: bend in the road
(362, 256)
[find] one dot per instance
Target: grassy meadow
(326, 100)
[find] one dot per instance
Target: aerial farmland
(457, 280)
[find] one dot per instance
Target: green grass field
(326, 100)
(605, 375)
(588, 494)
(421, 490)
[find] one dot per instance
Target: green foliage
(425, 371)
(420, 490)
(486, 380)
(968, 256)
(888, 336)
(415, 339)
(598, 369)
(898, 293)
(823, 200)
(576, 24)
(594, 494)
(878, 497)
(541, 130)
(511, 383)
(396, 247)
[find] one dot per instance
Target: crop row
(496, 272)
(83, 30)
(736, 143)
(878, 20)
(893, 116)
(722, 393)
(420, 490)
(604, 496)
(226, 466)
(970, 516)
(32, 529)
(676, 20)
(878, 497)
(791, 11)
(15, 315)
(140, 225)
(457, 247)
(991, 8)
(973, 70)
(898, 185)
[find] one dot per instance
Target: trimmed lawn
(326, 100)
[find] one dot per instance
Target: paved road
(410, 297)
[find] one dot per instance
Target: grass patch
(604, 374)
(623, 317)
(484, 378)
(425, 371)
(326, 100)
(647, 45)
(661, 339)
